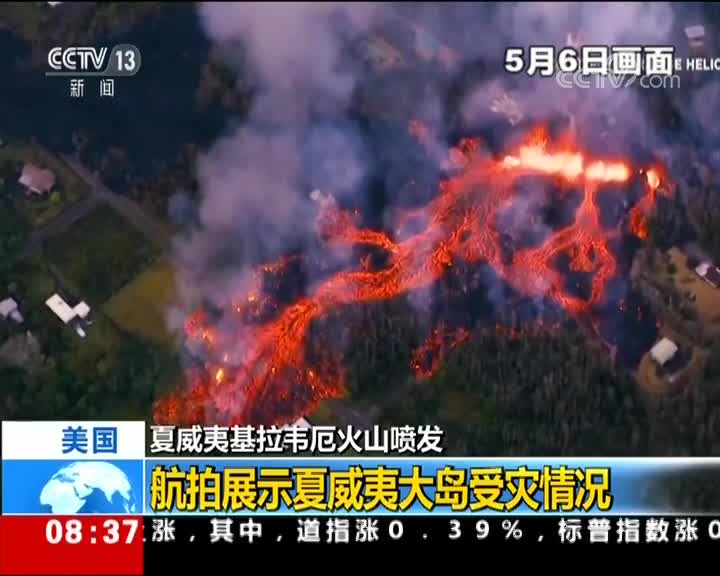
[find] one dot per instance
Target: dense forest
(539, 394)
(496, 394)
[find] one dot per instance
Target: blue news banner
(73, 468)
(100, 468)
(72, 498)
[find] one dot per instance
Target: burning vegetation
(262, 368)
(430, 356)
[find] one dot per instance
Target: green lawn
(140, 307)
(109, 374)
(100, 254)
(31, 282)
(70, 188)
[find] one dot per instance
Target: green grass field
(141, 305)
(70, 188)
(100, 254)
(34, 284)
(110, 374)
(87, 355)
(32, 280)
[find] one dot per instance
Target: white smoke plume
(552, 23)
(255, 182)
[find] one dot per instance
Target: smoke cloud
(551, 23)
(363, 105)
(255, 182)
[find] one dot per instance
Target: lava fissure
(270, 381)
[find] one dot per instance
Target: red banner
(72, 545)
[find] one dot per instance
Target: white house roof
(64, 311)
(7, 307)
(82, 310)
(37, 179)
(663, 351)
(695, 32)
(61, 308)
(709, 273)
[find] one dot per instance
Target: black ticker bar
(171, 541)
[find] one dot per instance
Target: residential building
(709, 273)
(72, 316)
(9, 310)
(38, 181)
(664, 351)
(82, 310)
(60, 308)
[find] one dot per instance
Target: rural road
(155, 233)
(159, 236)
(135, 215)
(58, 225)
(99, 193)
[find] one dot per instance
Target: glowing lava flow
(430, 356)
(639, 212)
(271, 379)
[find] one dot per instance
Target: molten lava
(428, 358)
(275, 376)
(641, 211)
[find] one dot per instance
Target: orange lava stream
(428, 358)
(639, 213)
(270, 381)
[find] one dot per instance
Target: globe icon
(88, 487)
